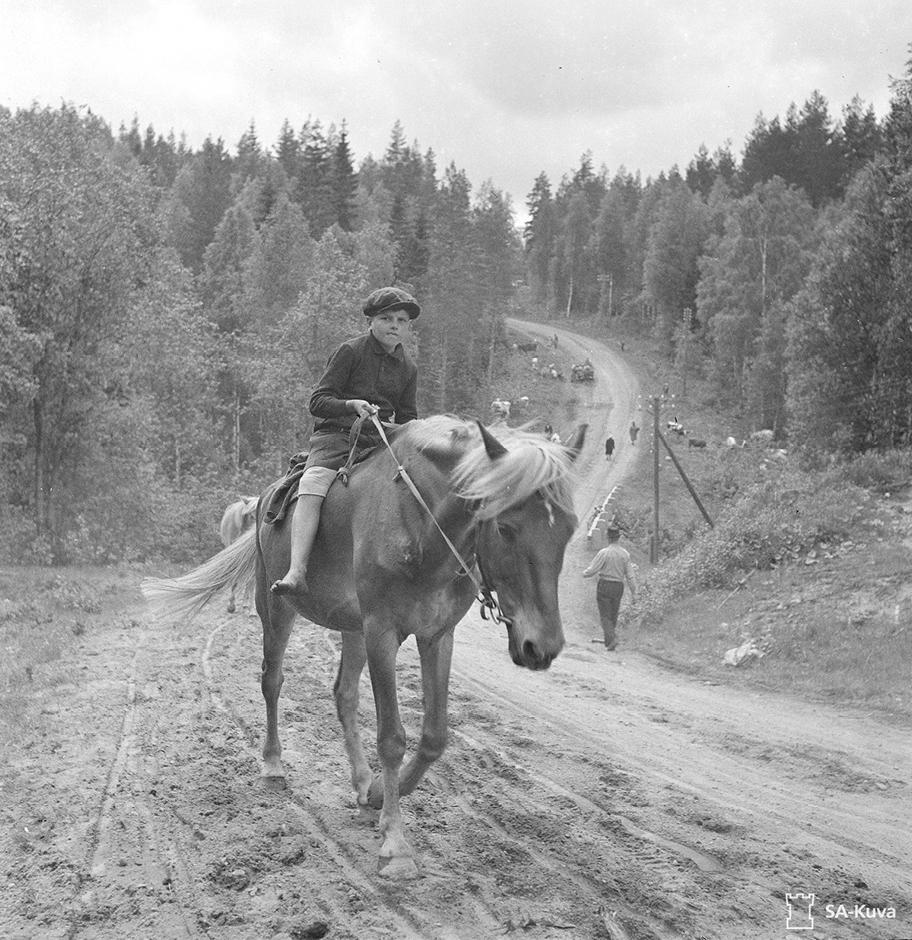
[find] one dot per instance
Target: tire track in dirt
(697, 789)
(133, 828)
(584, 833)
(560, 858)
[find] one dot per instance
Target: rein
(484, 594)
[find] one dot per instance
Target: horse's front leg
(396, 855)
(351, 665)
(436, 656)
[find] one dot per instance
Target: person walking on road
(609, 448)
(614, 569)
(634, 430)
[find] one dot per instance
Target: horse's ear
(577, 439)
(493, 446)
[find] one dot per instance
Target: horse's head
(521, 552)
(522, 536)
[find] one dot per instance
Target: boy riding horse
(369, 375)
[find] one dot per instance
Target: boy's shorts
(328, 451)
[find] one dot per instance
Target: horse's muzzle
(528, 653)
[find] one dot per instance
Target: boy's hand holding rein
(364, 409)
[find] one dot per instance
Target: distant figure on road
(554, 341)
(609, 448)
(613, 567)
(634, 430)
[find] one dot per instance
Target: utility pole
(658, 438)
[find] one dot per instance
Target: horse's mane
(532, 463)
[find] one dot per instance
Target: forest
(164, 312)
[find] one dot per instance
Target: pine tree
(202, 190)
(344, 183)
(249, 155)
(316, 190)
(288, 153)
(539, 236)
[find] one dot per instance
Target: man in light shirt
(613, 567)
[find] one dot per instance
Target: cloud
(504, 90)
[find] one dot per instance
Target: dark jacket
(362, 368)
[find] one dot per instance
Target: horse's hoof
(401, 868)
(274, 783)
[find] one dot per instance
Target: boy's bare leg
(304, 524)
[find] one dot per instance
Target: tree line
(165, 311)
(784, 277)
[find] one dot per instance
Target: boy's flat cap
(390, 298)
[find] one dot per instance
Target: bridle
(484, 593)
(488, 604)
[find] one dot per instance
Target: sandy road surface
(605, 798)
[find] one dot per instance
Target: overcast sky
(505, 90)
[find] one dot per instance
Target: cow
(763, 437)
(236, 520)
(695, 442)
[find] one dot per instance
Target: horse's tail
(187, 595)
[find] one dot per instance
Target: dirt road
(605, 798)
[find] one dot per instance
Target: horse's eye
(506, 532)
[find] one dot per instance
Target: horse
(237, 519)
(445, 511)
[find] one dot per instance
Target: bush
(20, 543)
(885, 471)
(770, 523)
